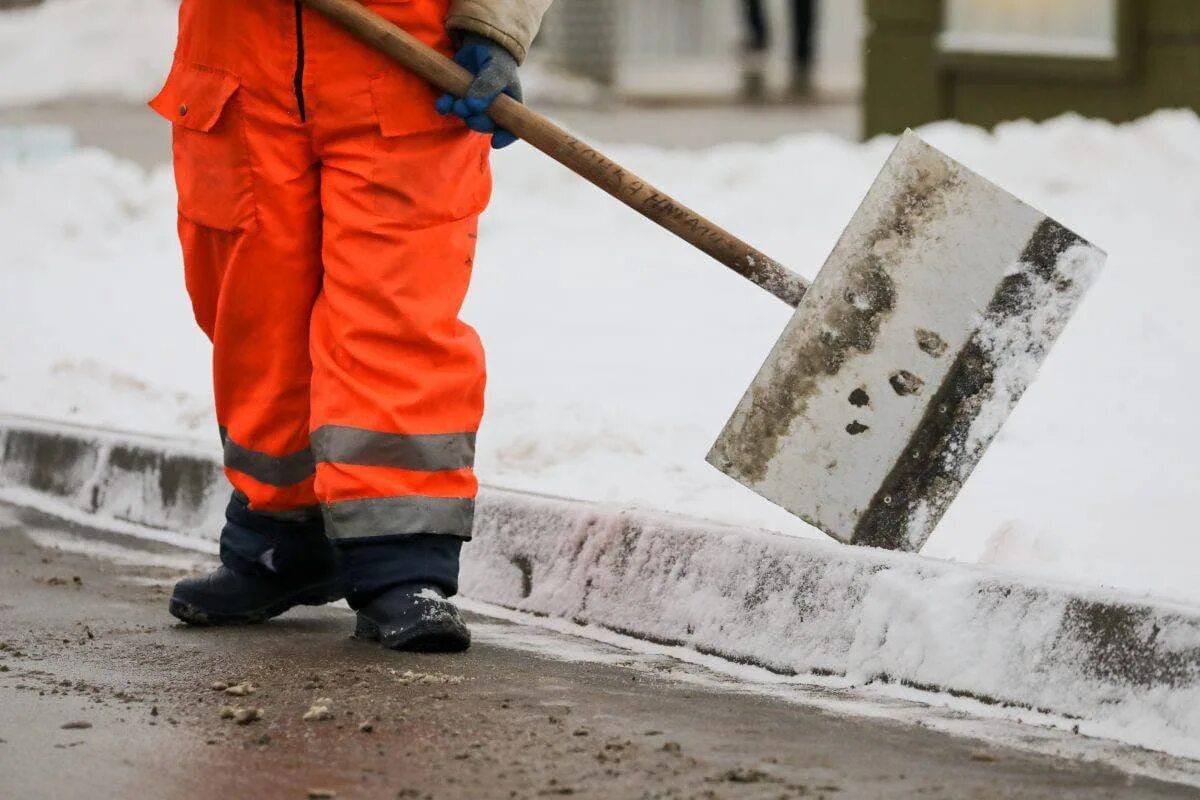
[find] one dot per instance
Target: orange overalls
(328, 219)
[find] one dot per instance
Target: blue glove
(495, 71)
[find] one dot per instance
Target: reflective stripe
(277, 471)
(431, 452)
(385, 516)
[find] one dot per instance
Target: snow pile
(617, 353)
(69, 48)
(90, 282)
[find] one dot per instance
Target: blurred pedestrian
(758, 43)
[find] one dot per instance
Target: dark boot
(415, 617)
(399, 585)
(268, 565)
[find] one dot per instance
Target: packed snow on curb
(617, 353)
(855, 616)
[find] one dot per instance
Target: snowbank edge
(1122, 666)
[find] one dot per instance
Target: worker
(329, 204)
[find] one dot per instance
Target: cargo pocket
(429, 169)
(212, 162)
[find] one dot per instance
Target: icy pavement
(101, 689)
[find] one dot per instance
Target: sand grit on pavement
(104, 695)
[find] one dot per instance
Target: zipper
(298, 78)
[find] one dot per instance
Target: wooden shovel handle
(577, 156)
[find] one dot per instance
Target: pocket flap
(194, 96)
(404, 104)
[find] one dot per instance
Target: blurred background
(860, 68)
(693, 73)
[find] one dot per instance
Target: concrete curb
(1124, 667)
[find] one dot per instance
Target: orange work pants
(328, 219)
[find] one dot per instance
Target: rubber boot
(268, 565)
(399, 585)
(415, 617)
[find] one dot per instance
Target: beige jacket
(512, 23)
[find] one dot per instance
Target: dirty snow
(861, 616)
(617, 353)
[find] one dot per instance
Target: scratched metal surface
(918, 336)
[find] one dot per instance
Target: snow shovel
(905, 355)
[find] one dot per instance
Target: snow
(122, 51)
(617, 353)
(125, 49)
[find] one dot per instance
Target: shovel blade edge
(926, 324)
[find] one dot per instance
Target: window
(1058, 28)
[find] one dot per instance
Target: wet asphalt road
(103, 695)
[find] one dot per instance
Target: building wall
(909, 81)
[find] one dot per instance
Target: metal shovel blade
(930, 318)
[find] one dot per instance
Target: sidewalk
(84, 638)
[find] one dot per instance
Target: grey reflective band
(429, 452)
(386, 516)
(272, 470)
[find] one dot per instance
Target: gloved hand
(495, 71)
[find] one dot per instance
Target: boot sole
(196, 616)
(428, 638)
